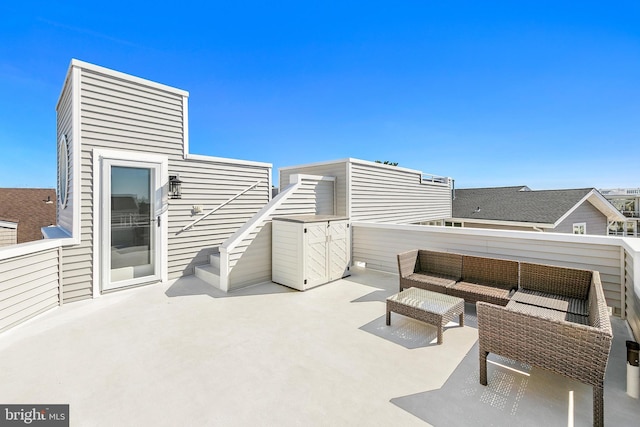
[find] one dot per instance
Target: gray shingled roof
(516, 203)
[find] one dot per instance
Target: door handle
(158, 221)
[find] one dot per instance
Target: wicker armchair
(545, 338)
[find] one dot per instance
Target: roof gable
(518, 204)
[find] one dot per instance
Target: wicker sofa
(558, 320)
(551, 317)
(464, 276)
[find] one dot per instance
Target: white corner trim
(127, 77)
(185, 126)
(99, 155)
(76, 163)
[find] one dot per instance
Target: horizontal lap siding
(587, 213)
(28, 286)
(338, 170)
(378, 247)
(65, 127)
(382, 194)
(126, 115)
(632, 298)
(250, 261)
(209, 185)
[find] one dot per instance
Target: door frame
(99, 212)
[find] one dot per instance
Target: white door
(315, 241)
(131, 222)
(339, 247)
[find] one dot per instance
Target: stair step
(209, 274)
(214, 260)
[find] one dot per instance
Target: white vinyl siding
(378, 245)
(338, 170)
(119, 112)
(250, 261)
(28, 286)
(382, 193)
(8, 236)
(596, 221)
(632, 294)
(65, 128)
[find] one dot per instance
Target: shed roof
(31, 208)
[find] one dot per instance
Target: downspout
(538, 229)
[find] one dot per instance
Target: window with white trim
(580, 228)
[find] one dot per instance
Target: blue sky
(544, 94)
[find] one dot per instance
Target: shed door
(315, 237)
(338, 249)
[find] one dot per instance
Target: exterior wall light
(175, 187)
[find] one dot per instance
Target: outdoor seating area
(471, 278)
(555, 318)
(185, 353)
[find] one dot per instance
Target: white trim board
(98, 155)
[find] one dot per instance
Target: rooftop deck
(187, 354)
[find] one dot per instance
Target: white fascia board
(211, 159)
(8, 224)
(600, 203)
(605, 206)
(127, 77)
(329, 162)
(507, 223)
(185, 127)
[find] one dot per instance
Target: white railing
(223, 204)
(434, 179)
(258, 219)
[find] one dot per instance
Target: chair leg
(598, 405)
(483, 367)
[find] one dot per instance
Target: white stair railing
(197, 220)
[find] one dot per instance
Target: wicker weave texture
(499, 273)
(440, 263)
(577, 351)
(430, 307)
(473, 292)
(568, 282)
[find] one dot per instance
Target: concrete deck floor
(186, 354)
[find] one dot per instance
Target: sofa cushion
(473, 292)
(575, 306)
(440, 264)
(563, 281)
(432, 282)
(497, 273)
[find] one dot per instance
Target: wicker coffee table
(430, 307)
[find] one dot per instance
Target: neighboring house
(23, 212)
(627, 201)
(577, 211)
(8, 231)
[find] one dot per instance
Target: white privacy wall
(378, 244)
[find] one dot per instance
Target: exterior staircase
(210, 273)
